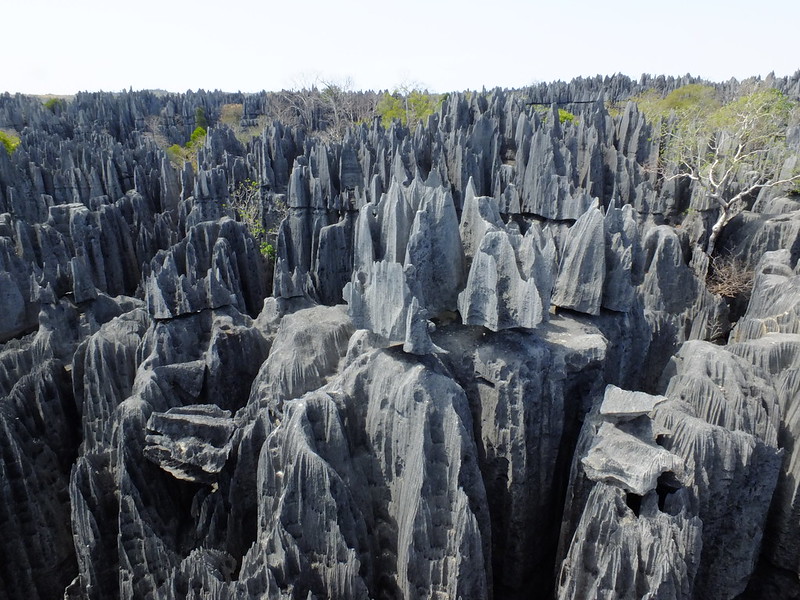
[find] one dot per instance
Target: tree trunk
(725, 215)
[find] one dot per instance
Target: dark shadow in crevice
(666, 484)
(634, 502)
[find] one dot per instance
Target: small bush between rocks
(730, 277)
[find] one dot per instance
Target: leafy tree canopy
(408, 106)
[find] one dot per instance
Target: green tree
(564, 116)
(730, 151)
(408, 105)
(9, 141)
(421, 104)
(692, 99)
(391, 107)
(178, 154)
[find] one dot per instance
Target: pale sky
(53, 46)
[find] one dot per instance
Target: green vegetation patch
(197, 137)
(245, 199)
(9, 141)
(692, 99)
(730, 151)
(200, 118)
(564, 116)
(178, 154)
(409, 108)
(54, 105)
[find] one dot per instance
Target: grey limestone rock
(19, 312)
(742, 462)
(307, 349)
(422, 469)
(498, 295)
(332, 261)
(623, 251)
(779, 357)
(773, 225)
(635, 534)
(398, 460)
(126, 508)
(619, 554)
(211, 357)
(607, 452)
(104, 369)
(774, 305)
(215, 266)
(582, 268)
(209, 195)
(687, 467)
(766, 338)
(528, 392)
(724, 390)
(380, 300)
(510, 277)
(676, 301)
(307, 507)
(75, 251)
(623, 405)
(376, 472)
(669, 285)
(38, 441)
(628, 461)
(434, 251)
(732, 476)
(478, 216)
(546, 190)
(408, 264)
(190, 442)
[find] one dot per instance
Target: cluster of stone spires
(450, 431)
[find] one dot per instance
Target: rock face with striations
(486, 366)
(408, 263)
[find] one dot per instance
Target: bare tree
(324, 105)
(245, 200)
(731, 152)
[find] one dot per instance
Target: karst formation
(480, 359)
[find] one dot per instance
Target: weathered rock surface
(626, 512)
(773, 225)
(408, 263)
(582, 271)
(651, 554)
(527, 395)
(190, 442)
(307, 349)
(214, 266)
(419, 410)
(767, 337)
(669, 462)
(774, 306)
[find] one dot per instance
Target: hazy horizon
(247, 46)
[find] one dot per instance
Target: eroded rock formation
(486, 368)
